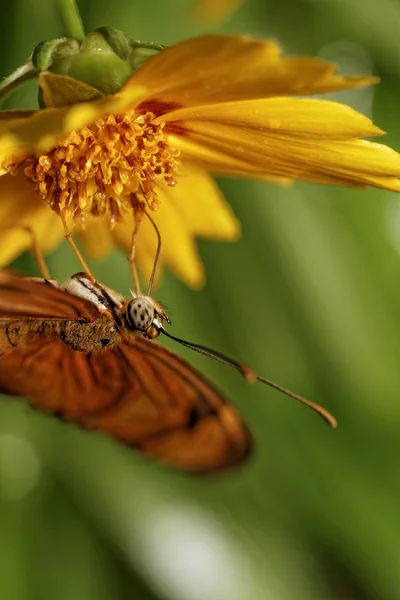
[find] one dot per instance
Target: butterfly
(87, 354)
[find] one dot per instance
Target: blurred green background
(315, 514)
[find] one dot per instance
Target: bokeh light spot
(189, 556)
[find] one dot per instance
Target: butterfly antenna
(157, 256)
(138, 212)
(249, 375)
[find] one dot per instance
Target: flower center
(106, 168)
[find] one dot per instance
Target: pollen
(106, 168)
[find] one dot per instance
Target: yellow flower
(214, 104)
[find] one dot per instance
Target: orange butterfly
(85, 353)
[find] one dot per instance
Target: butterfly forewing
(138, 391)
(26, 298)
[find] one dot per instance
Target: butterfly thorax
(121, 318)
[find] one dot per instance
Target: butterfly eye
(141, 313)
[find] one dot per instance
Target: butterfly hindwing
(213, 435)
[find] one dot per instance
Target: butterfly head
(146, 316)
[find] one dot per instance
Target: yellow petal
(211, 69)
(21, 206)
(202, 151)
(196, 148)
(96, 236)
(205, 154)
(355, 161)
(201, 205)
(9, 115)
(299, 116)
(10, 119)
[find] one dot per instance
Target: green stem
(24, 73)
(72, 19)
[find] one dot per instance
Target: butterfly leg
(78, 255)
(37, 253)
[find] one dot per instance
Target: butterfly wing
(25, 299)
(204, 432)
(140, 393)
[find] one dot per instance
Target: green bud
(99, 65)
(94, 61)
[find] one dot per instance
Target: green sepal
(140, 51)
(57, 91)
(116, 39)
(50, 51)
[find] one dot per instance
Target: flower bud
(100, 64)
(101, 60)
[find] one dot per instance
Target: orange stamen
(103, 170)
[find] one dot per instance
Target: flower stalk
(72, 19)
(24, 73)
